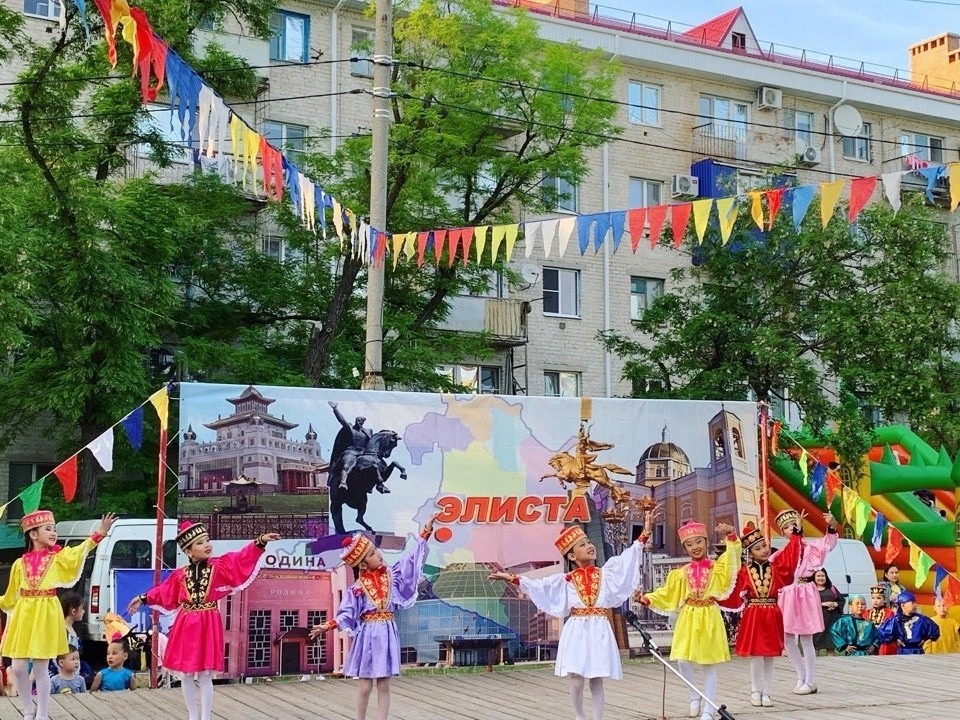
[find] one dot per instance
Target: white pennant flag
(549, 233)
(566, 228)
(531, 233)
(891, 188)
(102, 449)
(205, 107)
(219, 127)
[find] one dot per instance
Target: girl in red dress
(879, 614)
(760, 636)
(195, 642)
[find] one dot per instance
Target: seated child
(909, 629)
(115, 676)
(853, 634)
(68, 680)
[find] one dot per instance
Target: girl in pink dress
(800, 602)
(195, 643)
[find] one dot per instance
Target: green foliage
(840, 320)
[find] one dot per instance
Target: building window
(291, 139)
(561, 292)
(562, 193)
(857, 147)
(803, 127)
(42, 8)
(272, 247)
(361, 46)
(289, 619)
(557, 383)
(922, 147)
(738, 41)
(290, 37)
(648, 387)
(259, 630)
(724, 118)
(22, 476)
(644, 103)
(644, 193)
(497, 286)
(316, 650)
(643, 292)
(473, 379)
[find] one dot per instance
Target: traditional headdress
(879, 591)
(786, 518)
(36, 519)
(692, 529)
(568, 538)
(356, 549)
(750, 536)
(189, 533)
(906, 596)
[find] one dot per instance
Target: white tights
(21, 671)
(189, 684)
(805, 665)
(597, 698)
(709, 685)
(761, 675)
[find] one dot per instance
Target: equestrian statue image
(582, 469)
(358, 465)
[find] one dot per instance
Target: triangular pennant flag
(161, 401)
(829, 196)
(102, 449)
(817, 480)
(941, 575)
(133, 427)
(600, 230)
(701, 214)
(894, 544)
(756, 207)
(584, 223)
(466, 240)
(31, 496)
(422, 238)
(848, 503)
(727, 212)
(801, 197)
(497, 236)
(453, 243)
(878, 527)
(932, 173)
(565, 231)
(921, 564)
(774, 202)
(410, 245)
(804, 469)
(891, 188)
(833, 487)
(511, 235)
(396, 243)
(860, 191)
(679, 218)
(66, 473)
(953, 173)
(952, 592)
(532, 232)
(635, 221)
(439, 239)
(480, 236)
(861, 516)
(3, 508)
(549, 234)
(656, 216)
(618, 221)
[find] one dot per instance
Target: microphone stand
(651, 647)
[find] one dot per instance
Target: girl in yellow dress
(699, 636)
(34, 616)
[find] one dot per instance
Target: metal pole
(382, 70)
(764, 481)
(158, 548)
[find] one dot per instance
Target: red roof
(712, 33)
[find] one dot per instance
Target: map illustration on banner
(504, 473)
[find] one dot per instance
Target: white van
(130, 545)
(849, 566)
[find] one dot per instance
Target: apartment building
(706, 111)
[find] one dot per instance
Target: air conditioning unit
(685, 186)
(810, 156)
(769, 98)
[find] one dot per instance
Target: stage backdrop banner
(504, 472)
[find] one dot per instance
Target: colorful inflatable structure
(900, 464)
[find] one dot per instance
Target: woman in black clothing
(831, 602)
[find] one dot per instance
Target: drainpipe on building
(830, 138)
(607, 356)
(334, 75)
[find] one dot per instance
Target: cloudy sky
(875, 31)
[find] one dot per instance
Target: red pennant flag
(656, 215)
(775, 437)
(833, 487)
(438, 238)
(894, 544)
(635, 220)
(453, 242)
(679, 217)
(951, 591)
(774, 201)
(466, 242)
(66, 473)
(421, 247)
(860, 191)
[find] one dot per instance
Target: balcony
(720, 140)
(504, 320)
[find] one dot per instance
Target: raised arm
(336, 413)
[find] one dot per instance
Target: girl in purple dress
(367, 615)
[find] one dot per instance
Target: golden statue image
(581, 469)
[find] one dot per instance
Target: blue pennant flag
(600, 230)
(618, 221)
(583, 231)
(133, 426)
(817, 480)
(878, 527)
(800, 198)
(291, 178)
(940, 577)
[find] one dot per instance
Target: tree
(835, 320)
(94, 251)
(483, 111)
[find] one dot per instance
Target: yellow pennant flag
(849, 501)
(804, 468)
(161, 401)
(4, 507)
(480, 240)
(829, 196)
(954, 175)
(756, 208)
(701, 213)
(499, 233)
(396, 243)
(727, 212)
(410, 245)
(512, 231)
(921, 564)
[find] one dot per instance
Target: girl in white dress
(587, 649)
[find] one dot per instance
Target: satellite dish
(847, 120)
(530, 273)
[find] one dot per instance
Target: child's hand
(428, 525)
(271, 537)
(134, 605)
(831, 520)
(106, 522)
(318, 630)
(500, 575)
(724, 528)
